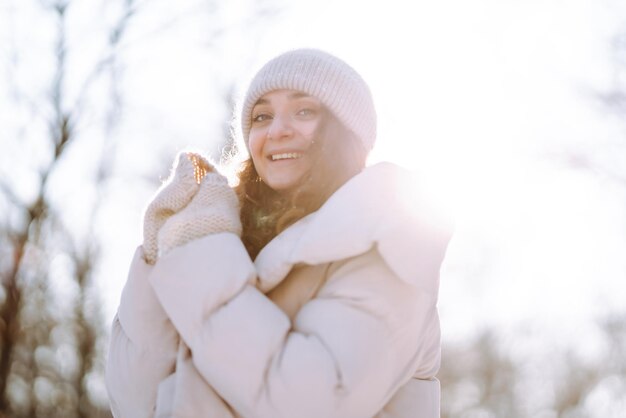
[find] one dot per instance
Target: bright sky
(475, 95)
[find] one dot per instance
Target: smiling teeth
(286, 156)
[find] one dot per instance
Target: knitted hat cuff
(337, 85)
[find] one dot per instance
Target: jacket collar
(383, 205)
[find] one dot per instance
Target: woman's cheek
(255, 144)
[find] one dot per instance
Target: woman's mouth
(285, 156)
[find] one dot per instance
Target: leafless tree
(35, 333)
(52, 332)
(609, 101)
(484, 377)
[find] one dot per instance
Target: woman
(309, 290)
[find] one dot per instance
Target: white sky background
(476, 95)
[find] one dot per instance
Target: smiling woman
(299, 155)
(316, 296)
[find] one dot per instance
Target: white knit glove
(213, 209)
(175, 193)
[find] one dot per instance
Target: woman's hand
(175, 194)
(213, 209)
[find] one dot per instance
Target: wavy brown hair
(338, 155)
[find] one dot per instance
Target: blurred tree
(477, 379)
(608, 161)
(49, 351)
(63, 63)
(493, 376)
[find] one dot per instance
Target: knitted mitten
(213, 209)
(172, 196)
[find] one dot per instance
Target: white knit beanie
(337, 85)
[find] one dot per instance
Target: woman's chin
(286, 181)
(283, 186)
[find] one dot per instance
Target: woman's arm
(193, 202)
(345, 354)
(143, 346)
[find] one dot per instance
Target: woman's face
(284, 126)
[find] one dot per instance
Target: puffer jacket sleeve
(142, 349)
(344, 355)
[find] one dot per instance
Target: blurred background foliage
(70, 111)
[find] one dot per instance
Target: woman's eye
(261, 117)
(306, 112)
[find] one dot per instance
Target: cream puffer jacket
(336, 317)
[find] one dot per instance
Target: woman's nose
(281, 127)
